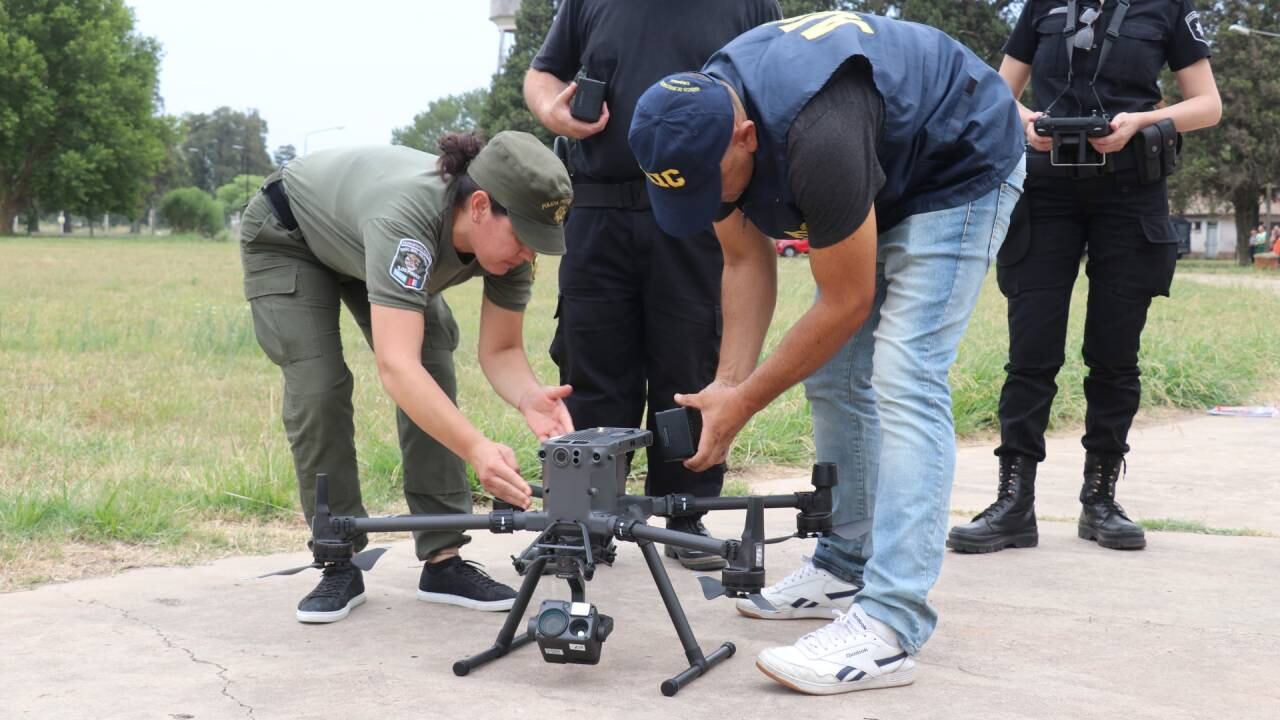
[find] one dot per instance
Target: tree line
(82, 128)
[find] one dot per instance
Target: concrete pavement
(1185, 629)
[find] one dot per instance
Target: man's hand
(496, 468)
(1123, 128)
(724, 413)
(545, 412)
(1043, 144)
(556, 117)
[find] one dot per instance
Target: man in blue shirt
(902, 175)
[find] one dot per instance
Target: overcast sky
(367, 65)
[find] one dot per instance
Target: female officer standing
(1097, 195)
(385, 230)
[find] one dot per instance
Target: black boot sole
(1025, 540)
(709, 562)
(1123, 542)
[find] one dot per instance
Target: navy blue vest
(951, 130)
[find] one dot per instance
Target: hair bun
(457, 150)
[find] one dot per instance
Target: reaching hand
(545, 412)
(723, 416)
(558, 120)
(496, 468)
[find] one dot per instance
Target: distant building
(503, 14)
(1213, 226)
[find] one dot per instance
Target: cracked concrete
(1185, 629)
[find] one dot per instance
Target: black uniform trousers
(1123, 229)
(639, 321)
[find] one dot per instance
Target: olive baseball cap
(527, 179)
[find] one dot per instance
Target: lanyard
(1113, 32)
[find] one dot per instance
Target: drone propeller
(712, 588)
(364, 560)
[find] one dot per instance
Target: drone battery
(678, 432)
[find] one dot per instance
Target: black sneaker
(340, 590)
(693, 559)
(461, 582)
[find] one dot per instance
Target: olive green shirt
(383, 214)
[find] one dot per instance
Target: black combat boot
(1010, 520)
(1102, 519)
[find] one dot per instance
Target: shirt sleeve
(398, 264)
(561, 51)
(834, 172)
(1188, 43)
(512, 290)
(1021, 45)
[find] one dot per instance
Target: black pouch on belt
(1155, 151)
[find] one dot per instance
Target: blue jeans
(882, 407)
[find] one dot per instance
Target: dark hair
(457, 150)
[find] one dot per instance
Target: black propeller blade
(292, 571)
(712, 588)
(364, 560)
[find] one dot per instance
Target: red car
(790, 247)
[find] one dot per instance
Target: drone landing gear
(509, 640)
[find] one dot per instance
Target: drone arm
(635, 530)
(499, 521)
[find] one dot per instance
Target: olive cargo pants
(295, 304)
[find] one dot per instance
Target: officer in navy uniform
(898, 153)
(639, 313)
(1083, 61)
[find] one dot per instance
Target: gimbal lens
(552, 622)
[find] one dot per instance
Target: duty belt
(278, 199)
(631, 195)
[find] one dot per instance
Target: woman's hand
(545, 412)
(1043, 144)
(495, 466)
(1123, 127)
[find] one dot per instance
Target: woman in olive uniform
(1101, 60)
(384, 230)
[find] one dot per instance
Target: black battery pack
(678, 432)
(588, 100)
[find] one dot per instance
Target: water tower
(503, 14)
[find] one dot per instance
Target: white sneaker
(852, 653)
(809, 592)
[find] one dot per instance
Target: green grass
(136, 406)
(1222, 267)
(1197, 528)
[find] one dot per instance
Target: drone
(585, 508)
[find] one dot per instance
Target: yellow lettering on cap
(668, 179)
(678, 85)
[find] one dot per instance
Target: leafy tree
(284, 154)
(192, 210)
(1235, 160)
(77, 108)
(212, 158)
(983, 25)
(505, 109)
(452, 113)
(236, 194)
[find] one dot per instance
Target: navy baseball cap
(679, 133)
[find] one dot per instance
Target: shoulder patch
(410, 265)
(1193, 24)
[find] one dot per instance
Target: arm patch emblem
(411, 264)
